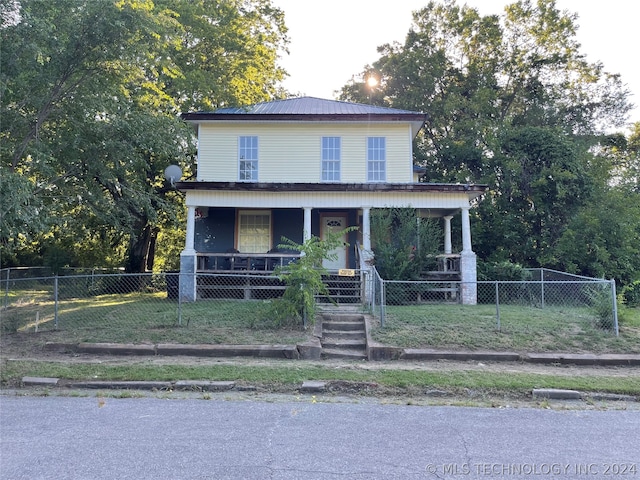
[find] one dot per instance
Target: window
(330, 159)
(254, 231)
(248, 159)
(376, 159)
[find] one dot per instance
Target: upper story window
(376, 159)
(248, 159)
(331, 147)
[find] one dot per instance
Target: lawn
(521, 329)
(144, 318)
(152, 318)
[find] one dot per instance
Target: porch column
(188, 261)
(447, 235)
(466, 231)
(306, 234)
(468, 263)
(189, 244)
(366, 228)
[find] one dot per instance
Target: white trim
(335, 200)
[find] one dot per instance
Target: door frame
(344, 215)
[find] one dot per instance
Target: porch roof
(472, 190)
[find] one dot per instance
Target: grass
(144, 318)
(152, 318)
(521, 329)
(294, 374)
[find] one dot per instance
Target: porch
(235, 227)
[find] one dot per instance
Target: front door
(335, 223)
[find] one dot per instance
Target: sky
(332, 40)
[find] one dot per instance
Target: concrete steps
(344, 336)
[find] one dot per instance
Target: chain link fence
(147, 307)
(150, 307)
(513, 306)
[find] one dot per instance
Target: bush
(303, 279)
(631, 294)
(502, 271)
(404, 244)
(602, 305)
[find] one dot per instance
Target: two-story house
(302, 167)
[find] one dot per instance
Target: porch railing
(231, 262)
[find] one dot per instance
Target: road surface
(151, 438)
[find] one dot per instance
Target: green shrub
(601, 304)
(404, 244)
(303, 279)
(631, 294)
(502, 271)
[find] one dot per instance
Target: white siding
(292, 152)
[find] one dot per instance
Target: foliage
(304, 278)
(404, 244)
(631, 294)
(502, 271)
(602, 305)
(538, 187)
(512, 103)
(89, 96)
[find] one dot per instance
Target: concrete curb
(264, 351)
(462, 356)
(308, 387)
(609, 359)
(311, 351)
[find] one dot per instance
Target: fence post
(179, 299)
(497, 305)
(55, 301)
(615, 307)
(542, 285)
(383, 300)
(6, 292)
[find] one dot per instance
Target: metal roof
(309, 109)
(311, 106)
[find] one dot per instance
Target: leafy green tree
(89, 96)
(514, 104)
(540, 183)
(603, 238)
(225, 53)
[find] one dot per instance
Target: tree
(540, 183)
(89, 96)
(225, 53)
(603, 238)
(512, 103)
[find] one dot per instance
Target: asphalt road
(144, 438)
